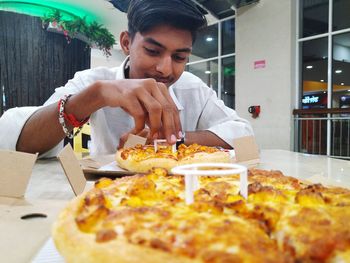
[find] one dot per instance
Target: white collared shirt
(199, 107)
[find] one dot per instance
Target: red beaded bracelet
(70, 118)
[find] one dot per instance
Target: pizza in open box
(144, 218)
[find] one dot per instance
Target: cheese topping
(283, 220)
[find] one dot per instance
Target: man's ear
(125, 42)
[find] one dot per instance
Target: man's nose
(164, 66)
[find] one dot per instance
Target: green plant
(94, 33)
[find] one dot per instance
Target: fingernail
(173, 138)
(180, 134)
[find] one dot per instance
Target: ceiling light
(338, 71)
(209, 39)
(324, 57)
(225, 92)
(342, 83)
(325, 92)
(309, 67)
(207, 72)
(322, 80)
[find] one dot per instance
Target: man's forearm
(43, 131)
(205, 138)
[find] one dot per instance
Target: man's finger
(123, 139)
(176, 117)
(137, 112)
(167, 118)
(153, 109)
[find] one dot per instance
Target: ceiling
(219, 8)
(222, 8)
(108, 12)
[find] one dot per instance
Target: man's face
(161, 53)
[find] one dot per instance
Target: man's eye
(151, 51)
(179, 58)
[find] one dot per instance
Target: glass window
(206, 44)
(314, 17)
(313, 133)
(228, 36)
(341, 17)
(341, 71)
(207, 71)
(228, 78)
(314, 73)
(206, 48)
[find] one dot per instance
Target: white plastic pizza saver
(162, 141)
(192, 171)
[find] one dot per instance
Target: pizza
(142, 158)
(144, 218)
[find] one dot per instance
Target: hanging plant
(93, 34)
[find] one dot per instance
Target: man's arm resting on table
(205, 138)
(43, 131)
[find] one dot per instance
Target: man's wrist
(97, 94)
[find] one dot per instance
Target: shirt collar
(121, 69)
(121, 75)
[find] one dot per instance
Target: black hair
(144, 15)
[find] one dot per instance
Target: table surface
(48, 192)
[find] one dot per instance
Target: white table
(304, 166)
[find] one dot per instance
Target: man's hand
(146, 101)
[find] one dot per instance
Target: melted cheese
(283, 219)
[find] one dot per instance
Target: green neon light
(41, 8)
(229, 71)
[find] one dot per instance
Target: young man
(149, 89)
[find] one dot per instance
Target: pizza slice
(142, 158)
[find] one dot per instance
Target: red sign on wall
(259, 64)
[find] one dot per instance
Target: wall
(266, 31)
(99, 59)
(33, 61)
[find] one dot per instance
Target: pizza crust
(79, 247)
(146, 165)
(215, 157)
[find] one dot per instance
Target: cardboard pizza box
(73, 170)
(78, 172)
(15, 171)
(25, 221)
(105, 165)
(246, 151)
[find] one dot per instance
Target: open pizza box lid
(15, 171)
(73, 170)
